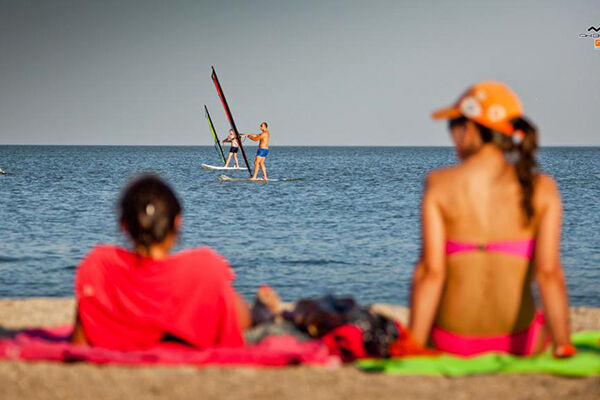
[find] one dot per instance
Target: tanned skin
(487, 293)
(263, 143)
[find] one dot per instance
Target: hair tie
(518, 136)
(150, 209)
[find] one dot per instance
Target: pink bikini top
(521, 248)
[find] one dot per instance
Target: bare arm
(548, 270)
(243, 313)
(256, 138)
(430, 271)
(78, 335)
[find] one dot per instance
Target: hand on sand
(565, 351)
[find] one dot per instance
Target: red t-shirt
(127, 301)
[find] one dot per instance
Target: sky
(320, 72)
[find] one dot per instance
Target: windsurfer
(263, 149)
(233, 149)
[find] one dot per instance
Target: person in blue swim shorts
(263, 150)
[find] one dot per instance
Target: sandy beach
(43, 380)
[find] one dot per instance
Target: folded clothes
(53, 345)
(585, 363)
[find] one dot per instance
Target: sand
(43, 380)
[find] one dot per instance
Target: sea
(346, 224)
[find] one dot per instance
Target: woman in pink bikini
(491, 225)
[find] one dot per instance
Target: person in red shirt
(140, 298)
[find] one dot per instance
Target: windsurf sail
(229, 116)
(218, 147)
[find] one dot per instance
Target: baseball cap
(489, 103)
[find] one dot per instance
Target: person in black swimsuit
(233, 149)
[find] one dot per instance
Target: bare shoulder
(441, 176)
(438, 180)
(546, 186)
(546, 192)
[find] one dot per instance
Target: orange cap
(491, 104)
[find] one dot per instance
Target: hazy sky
(321, 73)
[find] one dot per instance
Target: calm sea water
(351, 226)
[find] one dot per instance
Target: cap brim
(446, 113)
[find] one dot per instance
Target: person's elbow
(549, 275)
(434, 277)
(418, 272)
(431, 271)
(428, 279)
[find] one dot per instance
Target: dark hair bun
(148, 209)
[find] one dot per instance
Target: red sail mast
(229, 116)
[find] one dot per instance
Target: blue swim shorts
(262, 152)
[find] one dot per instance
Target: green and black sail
(218, 146)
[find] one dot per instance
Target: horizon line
(281, 145)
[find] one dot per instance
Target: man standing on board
(263, 149)
(233, 149)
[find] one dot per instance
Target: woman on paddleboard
(491, 226)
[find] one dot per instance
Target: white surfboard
(222, 168)
(2, 172)
(236, 179)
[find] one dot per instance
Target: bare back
(491, 291)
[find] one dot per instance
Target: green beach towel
(585, 363)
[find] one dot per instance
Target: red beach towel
(53, 345)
